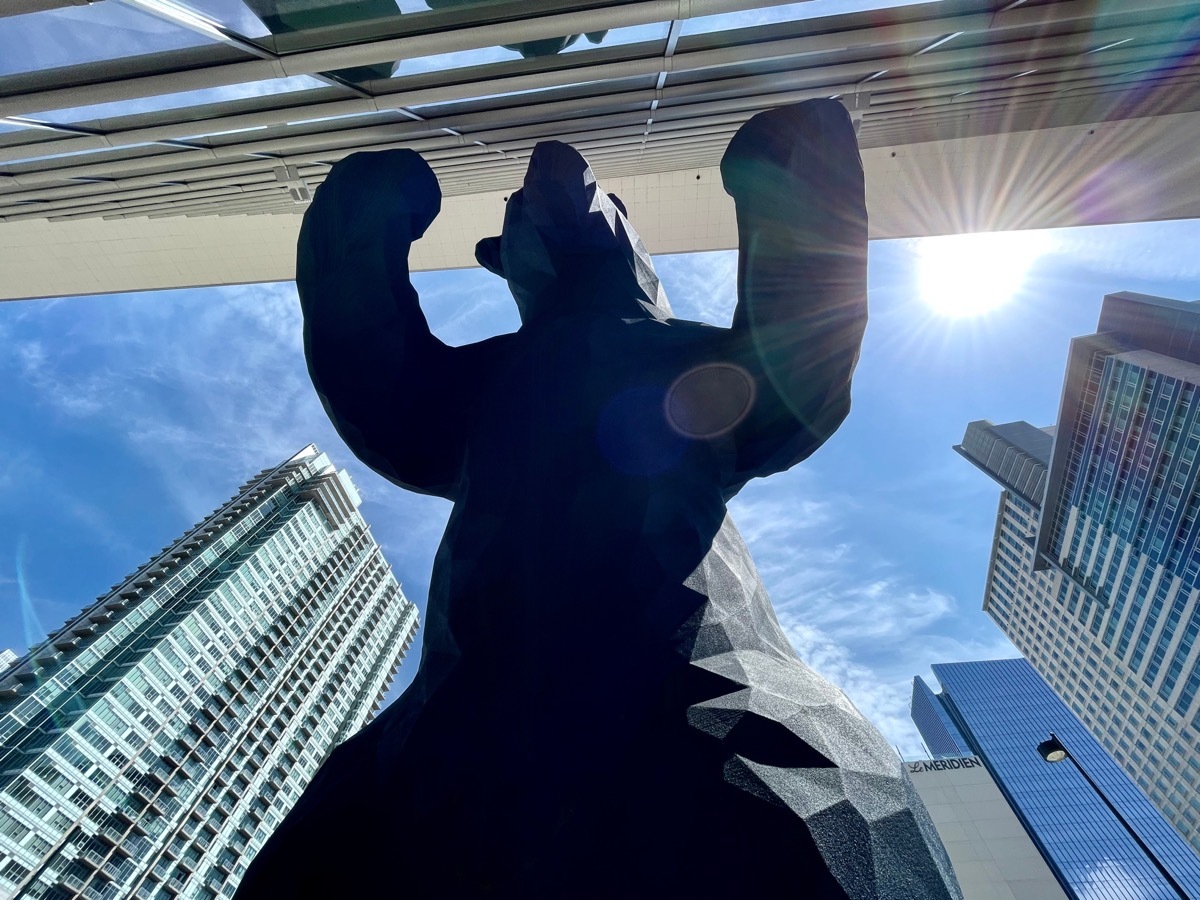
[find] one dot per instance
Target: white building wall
(992, 854)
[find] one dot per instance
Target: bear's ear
(619, 205)
(487, 254)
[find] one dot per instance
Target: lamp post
(1054, 750)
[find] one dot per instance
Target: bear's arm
(397, 395)
(797, 182)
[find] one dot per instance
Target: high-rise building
(1002, 711)
(1095, 567)
(150, 745)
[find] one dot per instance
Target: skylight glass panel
(84, 34)
(443, 62)
(182, 100)
(790, 12)
(632, 34)
(461, 59)
(280, 17)
(231, 14)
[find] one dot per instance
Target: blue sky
(127, 418)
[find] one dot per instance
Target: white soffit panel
(190, 165)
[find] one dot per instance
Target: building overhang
(973, 115)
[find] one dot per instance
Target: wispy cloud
(853, 614)
(882, 701)
(700, 286)
(214, 387)
(1162, 251)
(473, 306)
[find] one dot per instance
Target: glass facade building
(942, 738)
(1095, 568)
(1002, 709)
(149, 747)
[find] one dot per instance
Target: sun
(963, 275)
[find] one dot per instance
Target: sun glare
(970, 274)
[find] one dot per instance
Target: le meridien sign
(944, 765)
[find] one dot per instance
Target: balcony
(117, 871)
(144, 790)
(93, 858)
(169, 788)
(99, 891)
(72, 882)
(111, 834)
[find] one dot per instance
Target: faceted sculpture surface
(606, 704)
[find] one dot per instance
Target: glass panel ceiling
(633, 34)
(790, 12)
(82, 34)
(181, 100)
(461, 59)
(233, 14)
(443, 62)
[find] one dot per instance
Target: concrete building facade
(992, 853)
(180, 149)
(149, 746)
(1095, 566)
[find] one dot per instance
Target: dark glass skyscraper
(1002, 710)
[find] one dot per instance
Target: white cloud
(1156, 251)
(466, 309)
(852, 614)
(700, 286)
(212, 389)
(884, 703)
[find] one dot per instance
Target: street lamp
(1054, 750)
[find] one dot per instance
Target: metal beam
(24, 7)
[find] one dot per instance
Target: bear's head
(567, 246)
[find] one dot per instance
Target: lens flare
(972, 274)
(29, 620)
